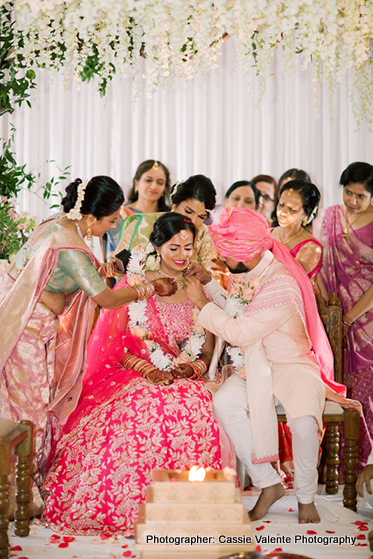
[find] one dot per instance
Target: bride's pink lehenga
(124, 427)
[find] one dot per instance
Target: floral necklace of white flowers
(143, 258)
(240, 295)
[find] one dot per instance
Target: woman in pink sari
(47, 301)
(297, 207)
(346, 233)
(144, 403)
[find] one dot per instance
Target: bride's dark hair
(168, 225)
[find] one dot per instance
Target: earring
(159, 258)
(89, 233)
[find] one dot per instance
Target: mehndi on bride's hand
(160, 377)
(183, 370)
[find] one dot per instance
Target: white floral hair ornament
(175, 187)
(312, 215)
(74, 213)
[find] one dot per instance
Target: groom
(275, 332)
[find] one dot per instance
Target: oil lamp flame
(196, 474)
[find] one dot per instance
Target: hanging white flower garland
(240, 295)
(176, 38)
(190, 349)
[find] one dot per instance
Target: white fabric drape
(210, 126)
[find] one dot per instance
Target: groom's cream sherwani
(278, 357)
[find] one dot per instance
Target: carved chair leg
(352, 421)
(332, 458)
(4, 499)
(23, 481)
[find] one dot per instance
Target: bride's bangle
(348, 324)
(199, 367)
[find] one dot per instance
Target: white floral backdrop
(211, 126)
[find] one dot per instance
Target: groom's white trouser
(231, 407)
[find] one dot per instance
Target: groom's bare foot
(267, 497)
(307, 514)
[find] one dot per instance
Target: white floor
(280, 522)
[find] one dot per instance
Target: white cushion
(330, 408)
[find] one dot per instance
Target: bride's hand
(160, 377)
(164, 287)
(183, 370)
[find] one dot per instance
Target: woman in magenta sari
(47, 300)
(346, 233)
(144, 403)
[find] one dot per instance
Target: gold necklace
(291, 238)
(346, 232)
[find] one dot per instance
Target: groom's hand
(194, 290)
(198, 271)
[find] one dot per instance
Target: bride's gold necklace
(291, 238)
(346, 232)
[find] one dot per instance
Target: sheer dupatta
(111, 339)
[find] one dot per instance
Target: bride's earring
(89, 233)
(159, 259)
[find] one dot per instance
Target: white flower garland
(177, 38)
(237, 301)
(191, 347)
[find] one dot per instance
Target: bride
(144, 404)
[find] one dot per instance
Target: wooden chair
(18, 437)
(334, 415)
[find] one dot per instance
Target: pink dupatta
(242, 234)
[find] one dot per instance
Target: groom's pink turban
(241, 234)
